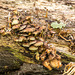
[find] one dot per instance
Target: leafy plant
(58, 25)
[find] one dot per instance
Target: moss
(7, 44)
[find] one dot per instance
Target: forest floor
(56, 11)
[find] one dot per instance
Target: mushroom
(2, 27)
(39, 43)
(6, 33)
(20, 39)
(42, 28)
(37, 56)
(28, 17)
(52, 32)
(48, 51)
(15, 21)
(47, 64)
(33, 48)
(28, 30)
(25, 45)
(41, 39)
(16, 26)
(16, 39)
(22, 34)
(55, 63)
(36, 32)
(58, 57)
(22, 27)
(34, 25)
(15, 17)
(51, 57)
(32, 42)
(2, 31)
(43, 56)
(26, 22)
(15, 12)
(31, 38)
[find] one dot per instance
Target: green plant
(58, 25)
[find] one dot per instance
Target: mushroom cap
(6, 33)
(53, 32)
(22, 27)
(55, 63)
(36, 32)
(15, 17)
(16, 39)
(39, 43)
(2, 31)
(31, 38)
(33, 48)
(15, 12)
(21, 38)
(47, 64)
(26, 22)
(28, 17)
(28, 30)
(42, 28)
(41, 39)
(32, 42)
(16, 26)
(25, 45)
(2, 26)
(37, 56)
(23, 34)
(15, 21)
(34, 25)
(58, 57)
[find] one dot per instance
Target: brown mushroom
(25, 45)
(16, 39)
(52, 32)
(22, 27)
(39, 43)
(46, 64)
(31, 38)
(34, 25)
(43, 56)
(33, 48)
(48, 51)
(28, 17)
(23, 35)
(28, 30)
(51, 57)
(42, 28)
(32, 42)
(55, 63)
(36, 32)
(26, 22)
(2, 27)
(2, 31)
(16, 26)
(6, 33)
(15, 17)
(37, 56)
(15, 21)
(58, 57)
(20, 39)
(41, 39)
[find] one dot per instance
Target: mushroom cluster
(30, 36)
